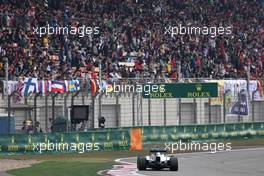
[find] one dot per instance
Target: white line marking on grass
(124, 169)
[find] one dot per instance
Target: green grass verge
(87, 164)
(60, 168)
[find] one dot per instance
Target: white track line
(123, 169)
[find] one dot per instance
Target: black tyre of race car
(174, 164)
(141, 163)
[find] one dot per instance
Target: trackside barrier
(52, 143)
(114, 139)
(210, 132)
(202, 132)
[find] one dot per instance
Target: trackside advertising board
(65, 142)
(180, 90)
(129, 138)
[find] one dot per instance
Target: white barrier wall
(128, 110)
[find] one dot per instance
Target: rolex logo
(199, 87)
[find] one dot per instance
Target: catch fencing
(130, 109)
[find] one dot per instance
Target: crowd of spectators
(132, 42)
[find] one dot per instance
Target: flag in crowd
(59, 86)
(11, 86)
(31, 86)
(18, 91)
(94, 87)
(42, 87)
(74, 85)
(230, 88)
(98, 86)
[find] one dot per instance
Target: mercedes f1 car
(158, 159)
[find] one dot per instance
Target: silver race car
(157, 160)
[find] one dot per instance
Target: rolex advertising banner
(65, 142)
(236, 99)
(180, 90)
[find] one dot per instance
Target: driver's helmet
(158, 154)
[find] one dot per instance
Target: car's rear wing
(156, 150)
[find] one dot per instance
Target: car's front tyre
(174, 164)
(141, 163)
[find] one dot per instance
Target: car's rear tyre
(141, 163)
(174, 164)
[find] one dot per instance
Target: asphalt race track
(245, 162)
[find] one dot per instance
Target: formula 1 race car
(157, 160)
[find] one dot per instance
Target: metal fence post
(35, 110)
(253, 105)
(224, 108)
(209, 107)
(149, 112)
(73, 96)
(194, 111)
(93, 112)
(239, 107)
(46, 113)
(53, 106)
(116, 110)
(83, 102)
(141, 110)
(66, 108)
(6, 80)
(164, 111)
(3, 93)
(137, 105)
(72, 104)
(133, 109)
(8, 112)
(180, 117)
(99, 106)
(26, 112)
